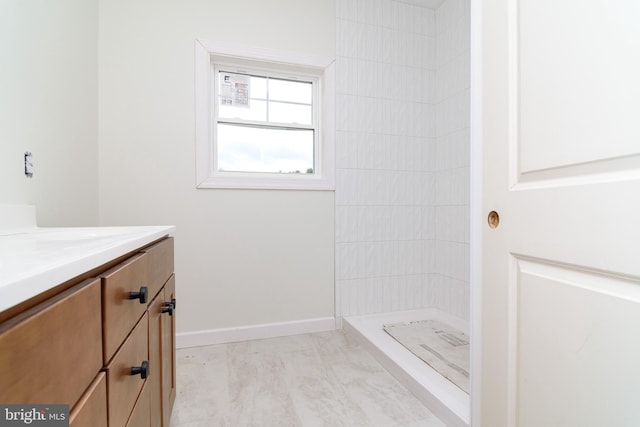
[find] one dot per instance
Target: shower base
(441, 396)
(440, 345)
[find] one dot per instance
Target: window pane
(258, 88)
(289, 91)
(280, 112)
(253, 149)
(257, 111)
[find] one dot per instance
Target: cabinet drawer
(160, 261)
(140, 414)
(51, 352)
(120, 312)
(123, 388)
(91, 410)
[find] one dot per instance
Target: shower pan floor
(443, 347)
(447, 401)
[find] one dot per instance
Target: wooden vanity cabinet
(105, 345)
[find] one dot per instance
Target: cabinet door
(155, 362)
(168, 354)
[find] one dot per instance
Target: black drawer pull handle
(167, 307)
(142, 294)
(142, 370)
(173, 303)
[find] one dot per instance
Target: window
(263, 120)
(263, 123)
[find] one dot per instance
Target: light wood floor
(320, 379)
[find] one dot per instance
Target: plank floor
(321, 379)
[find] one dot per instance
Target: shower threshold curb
(439, 395)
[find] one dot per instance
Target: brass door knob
(493, 219)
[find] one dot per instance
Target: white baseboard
(254, 332)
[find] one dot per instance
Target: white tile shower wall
(450, 289)
(402, 157)
(385, 156)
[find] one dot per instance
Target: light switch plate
(28, 164)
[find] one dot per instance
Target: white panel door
(560, 340)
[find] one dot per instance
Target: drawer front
(160, 264)
(51, 352)
(140, 414)
(120, 312)
(123, 388)
(91, 410)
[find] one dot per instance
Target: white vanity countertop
(34, 259)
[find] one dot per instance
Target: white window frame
(209, 55)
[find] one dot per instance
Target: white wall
(48, 105)
(243, 257)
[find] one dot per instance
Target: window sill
(260, 182)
